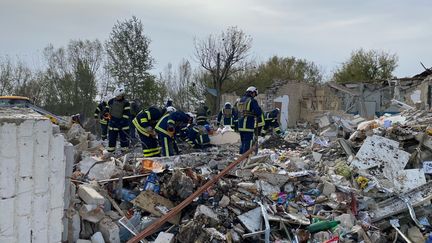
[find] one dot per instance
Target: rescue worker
(272, 122)
(202, 113)
(102, 117)
(134, 110)
(166, 130)
(118, 126)
(227, 116)
(169, 103)
(145, 123)
(198, 136)
(251, 118)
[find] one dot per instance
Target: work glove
(171, 131)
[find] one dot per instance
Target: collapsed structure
(336, 178)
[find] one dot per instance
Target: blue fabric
(118, 129)
(167, 144)
(246, 141)
(104, 131)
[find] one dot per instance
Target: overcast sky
(323, 31)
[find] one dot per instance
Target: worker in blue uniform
(198, 135)
(251, 118)
(145, 123)
(102, 118)
(118, 126)
(271, 119)
(166, 129)
(227, 116)
(202, 113)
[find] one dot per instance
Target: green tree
(276, 68)
(129, 60)
(69, 81)
(366, 66)
(222, 56)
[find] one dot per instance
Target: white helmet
(119, 92)
(227, 103)
(252, 89)
(171, 109)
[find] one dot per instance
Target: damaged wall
(32, 178)
(296, 99)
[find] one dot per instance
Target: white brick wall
(32, 178)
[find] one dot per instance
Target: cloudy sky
(323, 31)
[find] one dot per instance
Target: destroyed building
(343, 179)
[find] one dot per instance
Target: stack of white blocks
(32, 178)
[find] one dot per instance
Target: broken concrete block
(97, 238)
(224, 202)
(328, 189)
(266, 188)
(406, 180)
(379, 151)
(96, 169)
(252, 219)
(164, 238)
(90, 195)
(91, 213)
(273, 178)
(148, 201)
(83, 241)
(208, 213)
(109, 230)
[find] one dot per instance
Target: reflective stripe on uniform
(246, 130)
(139, 128)
(111, 149)
(148, 115)
(151, 152)
(126, 116)
(113, 128)
(103, 122)
(127, 108)
(125, 128)
(167, 153)
(143, 120)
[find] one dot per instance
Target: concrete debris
(97, 238)
(252, 219)
(208, 213)
(90, 195)
(339, 180)
(109, 230)
(164, 237)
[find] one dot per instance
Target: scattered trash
(306, 185)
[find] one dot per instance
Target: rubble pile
(349, 181)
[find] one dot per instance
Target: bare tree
(184, 85)
(222, 56)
